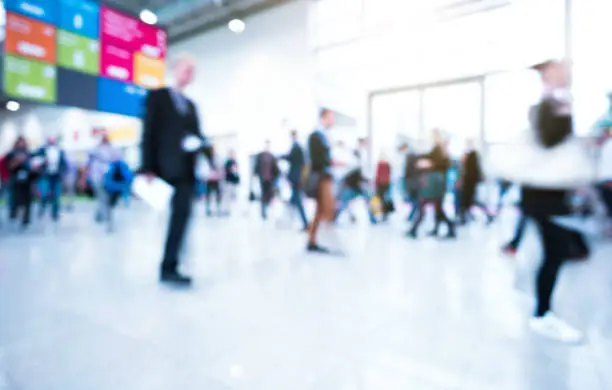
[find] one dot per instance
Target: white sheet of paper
(191, 143)
(156, 193)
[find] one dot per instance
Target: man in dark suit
(266, 168)
(296, 161)
(171, 140)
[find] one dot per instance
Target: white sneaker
(553, 327)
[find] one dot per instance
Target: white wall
(258, 83)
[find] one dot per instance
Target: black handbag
(311, 185)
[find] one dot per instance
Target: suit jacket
(296, 161)
(164, 129)
(274, 162)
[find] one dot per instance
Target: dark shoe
(433, 233)
(451, 234)
(314, 248)
(412, 234)
(175, 278)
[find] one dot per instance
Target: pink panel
(120, 29)
(154, 41)
(116, 62)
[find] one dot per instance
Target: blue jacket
(114, 186)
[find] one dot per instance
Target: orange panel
(30, 38)
(148, 72)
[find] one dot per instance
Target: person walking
(321, 186)
(266, 168)
(21, 177)
(171, 139)
(52, 171)
(297, 161)
(100, 159)
(382, 185)
(543, 199)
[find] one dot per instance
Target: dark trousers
(181, 211)
(21, 199)
(267, 193)
(440, 217)
(213, 187)
(51, 195)
(296, 201)
(558, 244)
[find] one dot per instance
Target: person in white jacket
(545, 190)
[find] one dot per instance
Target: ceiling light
(12, 105)
(148, 16)
(236, 26)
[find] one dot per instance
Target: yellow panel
(148, 72)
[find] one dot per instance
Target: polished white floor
(82, 310)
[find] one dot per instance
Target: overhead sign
(42, 10)
(29, 79)
(153, 42)
(116, 62)
(80, 17)
(29, 38)
(121, 98)
(120, 29)
(77, 52)
(148, 72)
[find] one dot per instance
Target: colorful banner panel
(43, 10)
(120, 98)
(148, 72)
(78, 53)
(29, 79)
(154, 41)
(80, 17)
(29, 38)
(119, 29)
(116, 63)
(84, 96)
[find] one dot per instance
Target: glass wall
(508, 97)
(491, 109)
(456, 111)
(395, 119)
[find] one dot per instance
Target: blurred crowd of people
(331, 174)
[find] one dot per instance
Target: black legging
(558, 244)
